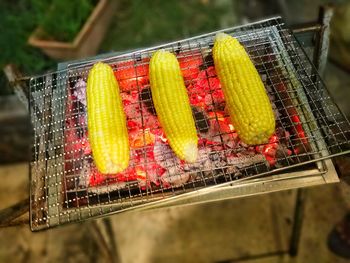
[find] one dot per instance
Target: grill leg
(297, 222)
(104, 235)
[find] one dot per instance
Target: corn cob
(108, 134)
(172, 105)
(246, 100)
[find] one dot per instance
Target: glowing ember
(142, 138)
(130, 74)
(152, 160)
(190, 66)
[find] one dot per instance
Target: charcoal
(146, 97)
(80, 92)
(202, 122)
(165, 156)
(217, 159)
(243, 160)
(203, 161)
(175, 180)
(73, 80)
(208, 62)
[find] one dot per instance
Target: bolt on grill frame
(303, 95)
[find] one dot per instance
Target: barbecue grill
(310, 129)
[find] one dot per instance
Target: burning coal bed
(153, 165)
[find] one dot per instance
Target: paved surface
(213, 232)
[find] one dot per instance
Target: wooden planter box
(87, 41)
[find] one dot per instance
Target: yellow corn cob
(246, 100)
(108, 134)
(172, 105)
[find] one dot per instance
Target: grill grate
(65, 186)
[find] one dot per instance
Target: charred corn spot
(108, 134)
(172, 105)
(248, 104)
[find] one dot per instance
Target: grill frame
(322, 168)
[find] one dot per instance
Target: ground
(214, 232)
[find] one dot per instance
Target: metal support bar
(298, 222)
(322, 43)
(319, 59)
(9, 215)
(18, 82)
(103, 232)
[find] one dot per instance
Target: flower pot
(87, 41)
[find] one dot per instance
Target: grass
(61, 20)
(143, 23)
(16, 23)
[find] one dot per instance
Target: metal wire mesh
(65, 185)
